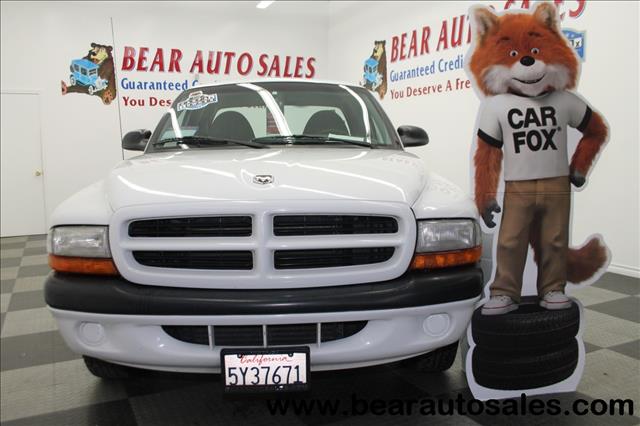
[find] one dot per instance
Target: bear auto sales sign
(429, 60)
(138, 64)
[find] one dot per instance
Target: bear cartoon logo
(375, 70)
(93, 74)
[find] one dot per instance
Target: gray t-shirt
(532, 131)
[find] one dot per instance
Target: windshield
(256, 115)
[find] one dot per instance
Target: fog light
(91, 333)
(436, 325)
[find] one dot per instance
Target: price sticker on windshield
(197, 100)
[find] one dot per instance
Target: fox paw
(577, 179)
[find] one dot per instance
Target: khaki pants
(534, 211)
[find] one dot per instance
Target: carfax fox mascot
(525, 69)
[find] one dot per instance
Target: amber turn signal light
(82, 265)
(446, 259)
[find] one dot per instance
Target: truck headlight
(80, 249)
(447, 242)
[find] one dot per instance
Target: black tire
(106, 370)
(435, 361)
(536, 374)
(529, 326)
(517, 362)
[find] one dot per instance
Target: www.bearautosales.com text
(459, 405)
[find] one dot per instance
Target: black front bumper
(115, 295)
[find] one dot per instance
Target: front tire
(72, 80)
(435, 361)
(106, 370)
(92, 89)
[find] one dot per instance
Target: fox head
(522, 53)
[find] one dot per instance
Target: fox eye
(513, 53)
(535, 50)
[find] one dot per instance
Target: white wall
(610, 203)
(80, 135)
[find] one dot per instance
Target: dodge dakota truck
(268, 229)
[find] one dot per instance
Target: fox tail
(584, 262)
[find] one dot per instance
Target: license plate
(265, 369)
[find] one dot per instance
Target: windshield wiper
(208, 141)
(291, 139)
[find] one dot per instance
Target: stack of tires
(528, 348)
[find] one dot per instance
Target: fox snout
(527, 61)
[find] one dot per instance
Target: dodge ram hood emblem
(263, 179)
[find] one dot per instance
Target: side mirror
(413, 136)
(136, 140)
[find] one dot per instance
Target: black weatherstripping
(115, 295)
(205, 226)
(214, 260)
(333, 225)
(330, 258)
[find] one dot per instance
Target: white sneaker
(498, 305)
(555, 300)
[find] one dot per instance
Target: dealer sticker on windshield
(197, 100)
(265, 369)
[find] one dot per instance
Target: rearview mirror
(413, 136)
(136, 140)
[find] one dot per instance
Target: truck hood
(313, 173)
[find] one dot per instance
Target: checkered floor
(42, 382)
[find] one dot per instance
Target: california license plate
(265, 369)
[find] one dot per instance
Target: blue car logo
(371, 71)
(85, 73)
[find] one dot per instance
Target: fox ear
(547, 15)
(485, 21)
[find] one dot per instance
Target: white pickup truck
(268, 229)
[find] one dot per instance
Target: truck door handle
(38, 173)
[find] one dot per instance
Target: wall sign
(93, 74)
(412, 70)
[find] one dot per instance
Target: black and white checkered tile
(42, 382)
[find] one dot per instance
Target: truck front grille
(208, 226)
(268, 335)
(263, 243)
(331, 258)
(333, 225)
(221, 260)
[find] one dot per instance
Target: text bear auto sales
(452, 33)
(215, 63)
